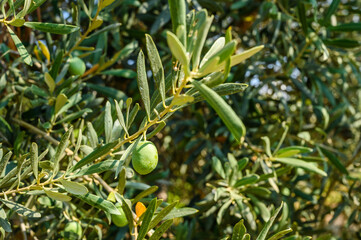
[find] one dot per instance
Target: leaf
(52, 27)
(267, 145)
(216, 47)
(239, 230)
(224, 111)
(236, 59)
(161, 230)
(127, 209)
(334, 160)
(291, 151)
(302, 164)
(265, 213)
(331, 10)
(22, 50)
(24, 11)
(74, 187)
(222, 211)
(180, 212)
(99, 203)
(159, 128)
(148, 215)
(217, 166)
(143, 82)
(126, 154)
(118, 108)
(218, 58)
(20, 209)
(107, 91)
(178, 51)
(105, 3)
(145, 193)
(280, 234)
(34, 159)
(60, 150)
(156, 65)
(125, 73)
(50, 82)
(249, 179)
(140, 209)
(162, 214)
(4, 161)
(96, 23)
(92, 135)
(97, 168)
(44, 50)
(17, 22)
(108, 122)
(61, 100)
(4, 223)
(302, 17)
(121, 181)
(346, 27)
(267, 226)
(57, 196)
(342, 42)
(97, 153)
(182, 99)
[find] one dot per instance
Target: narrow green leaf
(156, 65)
(60, 101)
(162, 229)
(249, 179)
(222, 211)
(267, 146)
(34, 159)
(24, 11)
(143, 83)
(96, 168)
(180, 212)
(107, 91)
(217, 166)
(302, 17)
(159, 128)
(118, 108)
(4, 222)
(97, 153)
(133, 114)
(177, 10)
(342, 42)
(302, 164)
(22, 50)
(4, 161)
(50, 82)
(74, 187)
(57, 196)
(346, 27)
(203, 24)
(266, 228)
(239, 230)
(17, 22)
(225, 112)
(108, 122)
(178, 51)
(60, 150)
(334, 161)
(216, 47)
(73, 116)
(280, 234)
(52, 27)
(92, 135)
(99, 203)
(265, 213)
(144, 194)
(291, 151)
(162, 214)
(121, 181)
(331, 10)
(148, 215)
(20, 209)
(126, 206)
(242, 163)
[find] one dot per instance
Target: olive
(145, 157)
(119, 220)
(76, 66)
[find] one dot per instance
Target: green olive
(74, 227)
(76, 66)
(145, 157)
(119, 220)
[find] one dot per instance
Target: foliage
(286, 142)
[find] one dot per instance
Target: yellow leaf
(140, 209)
(44, 50)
